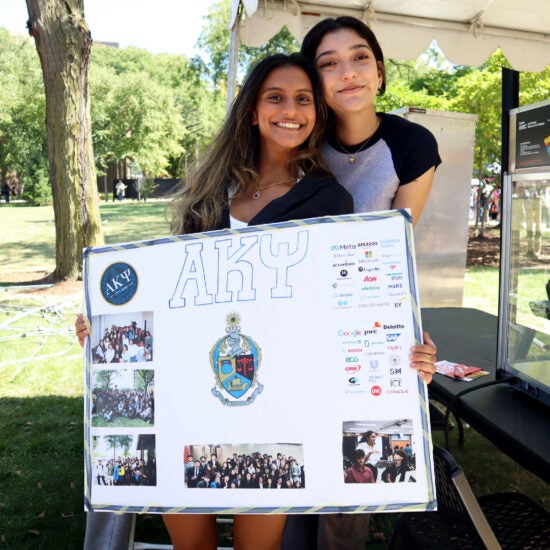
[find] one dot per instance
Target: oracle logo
(376, 391)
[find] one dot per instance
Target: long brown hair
(231, 159)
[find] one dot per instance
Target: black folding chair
(502, 520)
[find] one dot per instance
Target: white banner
(261, 358)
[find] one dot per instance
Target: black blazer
(313, 196)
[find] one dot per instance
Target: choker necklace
(351, 159)
(256, 195)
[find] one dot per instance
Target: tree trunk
(63, 42)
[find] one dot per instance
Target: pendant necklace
(256, 195)
(352, 159)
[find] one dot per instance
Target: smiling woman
(263, 167)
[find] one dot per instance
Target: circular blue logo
(119, 283)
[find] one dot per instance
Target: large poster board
(275, 348)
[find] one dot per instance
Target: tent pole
(233, 58)
(510, 100)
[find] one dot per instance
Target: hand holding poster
(268, 357)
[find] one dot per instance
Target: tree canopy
(158, 111)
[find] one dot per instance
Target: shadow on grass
(41, 473)
(42, 476)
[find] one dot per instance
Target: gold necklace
(256, 195)
(351, 159)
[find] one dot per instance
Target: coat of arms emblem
(235, 359)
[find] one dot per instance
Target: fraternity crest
(235, 359)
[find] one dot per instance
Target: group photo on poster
(123, 397)
(260, 466)
(124, 460)
(122, 338)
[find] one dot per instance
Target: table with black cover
(515, 422)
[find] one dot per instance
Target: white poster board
(275, 348)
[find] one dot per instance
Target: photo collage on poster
(123, 400)
(189, 388)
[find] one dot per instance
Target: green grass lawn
(41, 388)
(27, 234)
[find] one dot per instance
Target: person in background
(120, 189)
(6, 192)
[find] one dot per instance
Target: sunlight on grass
(27, 234)
(481, 289)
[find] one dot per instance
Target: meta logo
(338, 247)
(376, 391)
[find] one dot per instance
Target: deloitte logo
(119, 283)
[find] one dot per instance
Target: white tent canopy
(468, 31)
